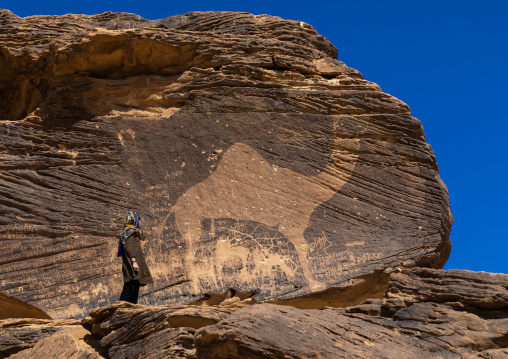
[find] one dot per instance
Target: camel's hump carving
(247, 187)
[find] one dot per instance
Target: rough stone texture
(425, 314)
(19, 334)
(257, 160)
(463, 290)
(168, 343)
(11, 307)
(124, 323)
(61, 345)
(137, 331)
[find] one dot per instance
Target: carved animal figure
(246, 187)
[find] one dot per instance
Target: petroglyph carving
(246, 187)
(17, 231)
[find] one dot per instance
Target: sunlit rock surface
(257, 160)
(425, 313)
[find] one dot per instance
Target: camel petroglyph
(246, 187)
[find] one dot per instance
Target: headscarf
(131, 219)
(130, 226)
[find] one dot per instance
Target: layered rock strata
(63, 344)
(424, 313)
(24, 333)
(258, 162)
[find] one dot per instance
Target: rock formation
(23, 334)
(11, 307)
(425, 313)
(62, 344)
(257, 160)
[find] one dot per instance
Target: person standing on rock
(134, 268)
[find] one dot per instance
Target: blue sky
(446, 59)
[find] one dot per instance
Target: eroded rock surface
(11, 307)
(438, 315)
(257, 160)
(20, 334)
(128, 330)
(123, 323)
(425, 313)
(62, 344)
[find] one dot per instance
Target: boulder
(128, 330)
(124, 323)
(61, 345)
(19, 334)
(257, 160)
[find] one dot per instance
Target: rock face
(425, 313)
(14, 308)
(257, 161)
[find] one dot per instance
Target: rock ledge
(425, 313)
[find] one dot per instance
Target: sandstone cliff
(265, 170)
(258, 161)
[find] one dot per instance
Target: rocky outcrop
(152, 332)
(123, 323)
(425, 313)
(119, 330)
(258, 162)
(63, 344)
(23, 334)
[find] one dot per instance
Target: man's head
(131, 219)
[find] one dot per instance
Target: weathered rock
(61, 345)
(169, 343)
(463, 290)
(11, 307)
(257, 160)
(232, 299)
(138, 331)
(19, 334)
(124, 323)
(426, 326)
(344, 295)
(424, 314)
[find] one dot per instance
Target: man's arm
(131, 250)
(135, 265)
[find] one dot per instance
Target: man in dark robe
(134, 268)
